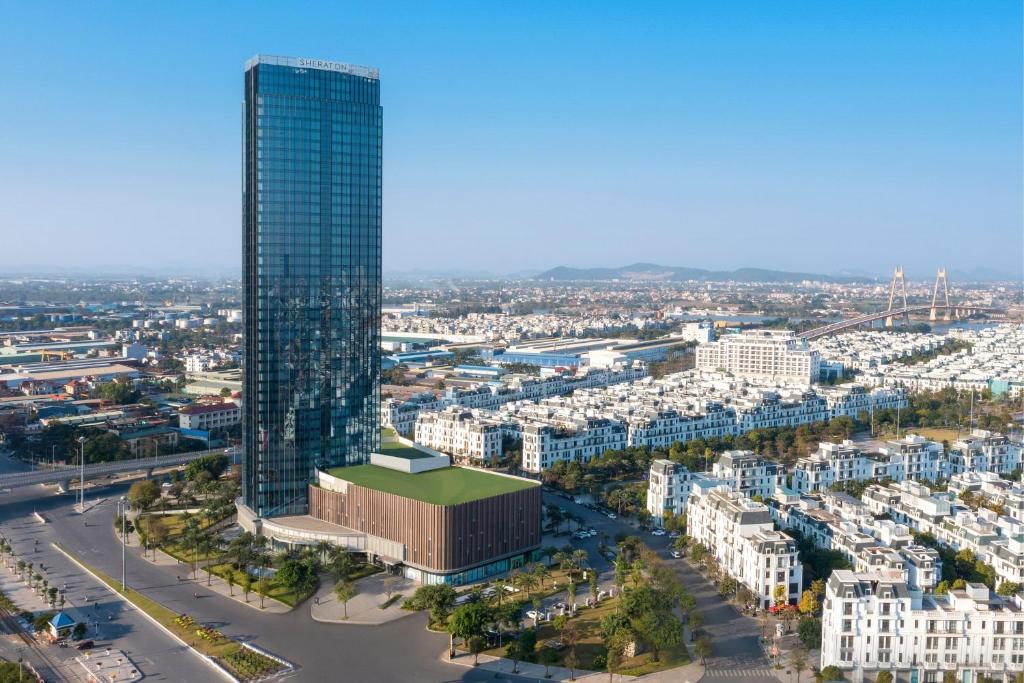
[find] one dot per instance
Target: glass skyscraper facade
(311, 213)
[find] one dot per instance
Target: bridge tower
(897, 277)
(940, 276)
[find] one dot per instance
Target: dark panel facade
(438, 538)
(311, 275)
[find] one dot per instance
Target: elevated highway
(64, 475)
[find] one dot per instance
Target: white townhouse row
(669, 484)
(401, 415)
(985, 451)
(872, 621)
(740, 534)
(995, 362)
(546, 444)
(773, 355)
(460, 433)
(995, 539)
(839, 522)
(867, 349)
(912, 457)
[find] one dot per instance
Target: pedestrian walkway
(689, 673)
(183, 571)
(753, 672)
(365, 607)
(109, 665)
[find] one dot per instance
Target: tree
(798, 660)
(343, 592)
(438, 599)
(703, 648)
(1008, 589)
(548, 657)
(780, 595)
(809, 632)
(831, 673)
(808, 603)
(78, 632)
(570, 636)
(883, 677)
(246, 583)
(466, 622)
(660, 629)
(143, 494)
(230, 579)
(948, 677)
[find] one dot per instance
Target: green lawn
(447, 486)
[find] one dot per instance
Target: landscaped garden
(635, 631)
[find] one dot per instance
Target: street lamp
(122, 509)
(81, 476)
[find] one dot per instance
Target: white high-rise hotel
(772, 355)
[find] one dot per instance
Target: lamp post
(81, 476)
(122, 509)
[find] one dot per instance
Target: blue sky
(801, 135)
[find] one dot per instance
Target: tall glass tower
(311, 214)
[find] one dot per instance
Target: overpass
(64, 475)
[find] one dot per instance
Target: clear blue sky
(800, 135)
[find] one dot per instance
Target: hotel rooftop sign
(306, 63)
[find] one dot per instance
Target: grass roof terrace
(447, 486)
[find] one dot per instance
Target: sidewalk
(364, 608)
(217, 584)
(689, 673)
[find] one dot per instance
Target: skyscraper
(311, 214)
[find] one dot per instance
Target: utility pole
(122, 509)
(81, 476)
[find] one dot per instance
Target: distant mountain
(650, 272)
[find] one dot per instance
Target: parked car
(676, 554)
(612, 515)
(84, 644)
(658, 532)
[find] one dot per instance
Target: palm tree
(562, 558)
(580, 558)
(264, 563)
(207, 546)
(571, 590)
(526, 582)
(540, 572)
(230, 578)
(323, 549)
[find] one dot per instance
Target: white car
(658, 532)
(676, 554)
(612, 515)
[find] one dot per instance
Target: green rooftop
(390, 445)
(446, 486)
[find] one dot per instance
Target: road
(400, 651)
(737, 652)
(320, 651)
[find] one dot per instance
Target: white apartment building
(769, 355)
(459, 433)
(831, 463)
(669, 486)
(984, 451)
(749, 473)
(773, 409)
(740, 534)
(209, 416)
(872, 622)
(915, 457)
(546, 444)
(662, 428)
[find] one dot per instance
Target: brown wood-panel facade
(438, 538)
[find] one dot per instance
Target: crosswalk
(740, 674)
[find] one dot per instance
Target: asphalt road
(402, 651)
